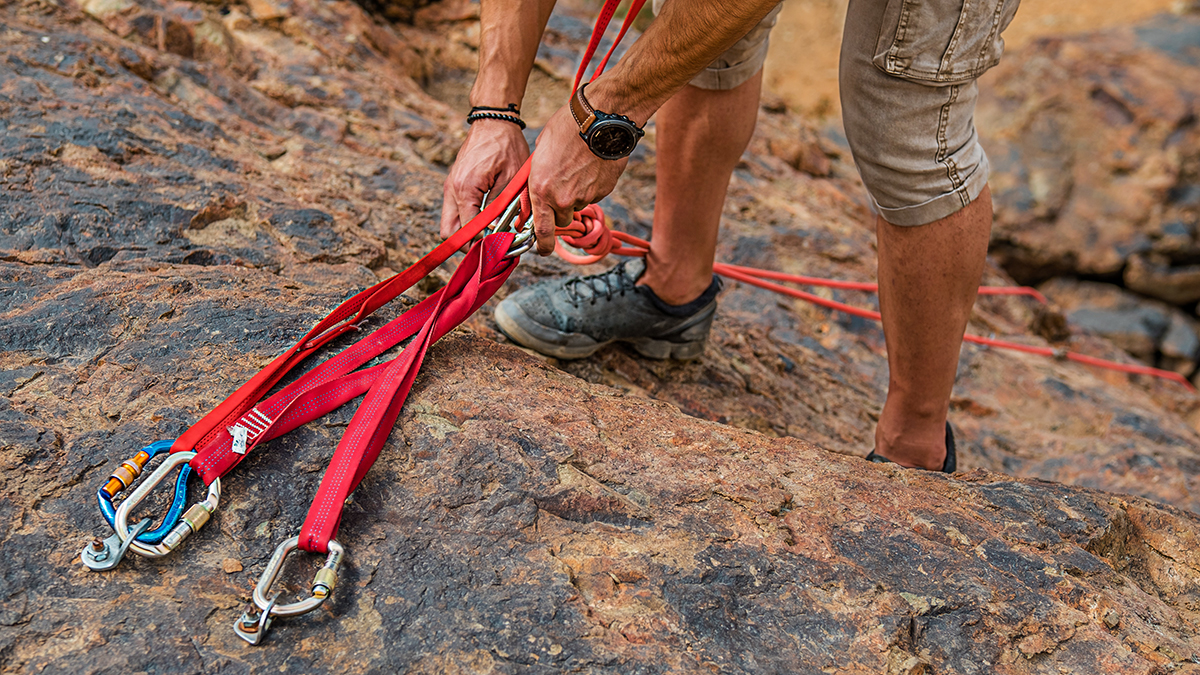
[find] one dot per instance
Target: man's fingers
(449, 224)
(468, 208)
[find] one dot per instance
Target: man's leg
(702, 134)
(908, 105)
(663, 306)
(928, 278)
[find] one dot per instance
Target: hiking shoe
(948, 466)
(571, 319)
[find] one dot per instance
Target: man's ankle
(913, 443)
(675, 289)
(687, 308)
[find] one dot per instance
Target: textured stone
(1154, 276)
(544, 511)
(1180, 341)
(1095, 154)
(170, 224)
(266, 10)
(1153, 331)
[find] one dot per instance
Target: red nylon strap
(209, 435)
(483, 271)
(210, 438)
(333, 383)
(602, 21)
(217, 457)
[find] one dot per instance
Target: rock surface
(185, 191)
(1096, 175)
(1155, 332)
(1096, 157)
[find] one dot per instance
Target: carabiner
(504, 222)
(523, 242)
(193, 519)
(124, 476)
(254, 622)
(104, 554)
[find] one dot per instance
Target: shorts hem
(732, 77)
(937, 208)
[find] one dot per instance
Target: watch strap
(582, 111)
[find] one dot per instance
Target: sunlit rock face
(186, 188)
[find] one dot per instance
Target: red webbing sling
(334, 382)
(211, 438)
(483, 271)
(373, 421)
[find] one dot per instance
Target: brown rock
(1112, 619)
(1152, 331)
(1132, 323)
(1154, 276)
(267, 10)
(1089, 139)
(521, 518)
(1050, 323)
(231, 565)
(396, 10)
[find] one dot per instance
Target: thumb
(544, 219)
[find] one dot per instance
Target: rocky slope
(186, 187)
(1096, 157)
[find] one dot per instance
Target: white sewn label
(239, 438)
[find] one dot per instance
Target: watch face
(612, 139)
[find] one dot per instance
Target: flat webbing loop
(344, 318)
(210, 435)
(483, 271)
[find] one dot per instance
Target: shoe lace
(608, 283)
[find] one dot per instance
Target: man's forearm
(684, 39)
(510, 31)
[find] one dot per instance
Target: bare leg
(928, 278)
(702, 134)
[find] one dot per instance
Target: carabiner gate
(524, 241)
(254, 622)
(192, 520)
(505, 221)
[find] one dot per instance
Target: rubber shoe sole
(570, 346)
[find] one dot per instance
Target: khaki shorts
(907, 83)
(741, 61)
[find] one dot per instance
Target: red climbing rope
(590, 233)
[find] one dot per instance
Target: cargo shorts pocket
(942, 41)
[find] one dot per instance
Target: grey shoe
(572, 319)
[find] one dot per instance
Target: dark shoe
(949, 466)
(571, 319)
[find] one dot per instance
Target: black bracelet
(475, 117)
(510, 108)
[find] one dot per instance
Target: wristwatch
(608, 136)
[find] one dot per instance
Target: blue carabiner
(124, 476)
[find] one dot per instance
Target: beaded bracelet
(476, 116)
(510, 108)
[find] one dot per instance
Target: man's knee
(917, 150)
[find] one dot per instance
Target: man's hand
(491, 155)
(565, 176)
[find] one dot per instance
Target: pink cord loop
(589, 232)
